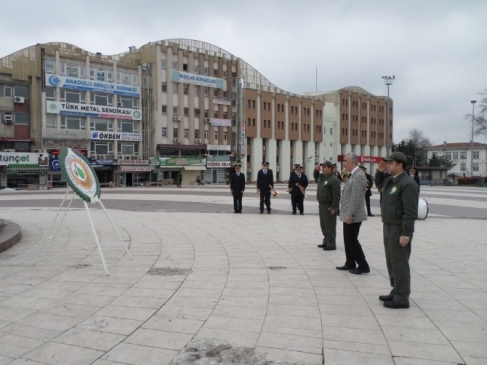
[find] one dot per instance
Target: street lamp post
(388, 81)
(471, 141)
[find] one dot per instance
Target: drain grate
(277, 267)
(169, 271)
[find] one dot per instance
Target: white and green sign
(99, 111)
(195, 79)
(79, 174)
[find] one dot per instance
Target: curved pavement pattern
(199, 272)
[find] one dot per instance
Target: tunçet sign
(23, 159)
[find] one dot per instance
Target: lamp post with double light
(471, 141)
(388, 81)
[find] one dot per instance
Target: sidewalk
(252, 280)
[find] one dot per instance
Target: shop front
(24, 170)
(134, 173)
(171, 168)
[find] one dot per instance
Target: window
(127, 148)
(215, 93)
(225, 136)
(101, 148)
(164, 132)
(127, 102)
(196, 112)
(476, 155)
(21, 91)
(7, 91)
(51, 121)
(196, 69)
(463, 155)
(206, 134)
(164, 109)
(185, 89)
(163, 63)
(21, 118)
(455, 155)
(175, 132)
(73, 96)
(164, 87)
(463, 166)
(448, 155)
(174, 65)
(127, 126)
(196, 91)
(50, 93)
(50, 66)
(70, 122)
(331, 131)
(186, 111)
(185, 67)
(207, 113)
(215, 134)
(475, 166)
(206, 71)
(186, 133)
(206, 91)
(196, 133)
(225, 75)
(175, 110)
(174, 88)
(101, 99)
(100, 124)
(215, 113)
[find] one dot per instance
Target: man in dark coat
(265, 182)
(297, 179)
(237, 187)
(336, 172)
(368, 191)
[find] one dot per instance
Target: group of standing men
(399, 211)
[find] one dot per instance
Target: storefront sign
(218, 164)
(221, 122)
(243, 140)
(195, 79)
(100, 111)
(122, 136)
(103, 162)
(363, 159)
(222, 101)
(181, 161)
(54, 164)
(13, 159)
(134, 168)
(92, 85)
(133, 162)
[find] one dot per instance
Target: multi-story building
(173, 106)
(467, 161)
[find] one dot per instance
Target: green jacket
(400, 197)
(328, 190)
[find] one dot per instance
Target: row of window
(206, 90)
(96, 124)
(18, 118)
(18, 90)
(475, 166)
(175, 111)
(106, 148)
(364, 105)
(462, 155)
(373, 134)
(196, 68)
(206, 133)
(79, 97)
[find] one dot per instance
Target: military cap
(396, 156)
(265, 163)
(363, 168)
(237, 166)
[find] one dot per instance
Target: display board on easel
(83, 182)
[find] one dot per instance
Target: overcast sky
(436, 49)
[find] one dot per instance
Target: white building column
(256, 157)
(285, 152)
(271, 154)
(298, 152)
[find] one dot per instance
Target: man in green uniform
(399, 211)
(328, 196)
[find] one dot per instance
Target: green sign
(181, 161)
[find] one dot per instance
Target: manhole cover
(81, 266)
(277, 267)
(169, 271)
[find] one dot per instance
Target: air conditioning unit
(8, 121)
(93, 157)
(101, 157)
(176, 118)
(197, 140)
(7, 117)
(9, 150)
(176, 140)
(207, 120)
(19, 100)
(134, 157)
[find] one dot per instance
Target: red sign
(363, 159)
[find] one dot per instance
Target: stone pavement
(252, 280)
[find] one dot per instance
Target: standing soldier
(399, 211)
(237, 187)
(336, 172)
(328, 196)
(297, 184)
(368, 191)
(265, 182)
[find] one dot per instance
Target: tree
(440, 161)
(419, 139)
(414, 147)
(480, 118)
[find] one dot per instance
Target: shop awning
(195, 168)
(20, 168)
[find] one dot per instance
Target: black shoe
(301, 213)
(395, 305)
(322, 246)
(240, 211)
(330, 248)
(345, 267)
(235, 212)
(370, 215)
(268, 212)
(261, 212)
(294, 213)
(359, 271)
(386, 298)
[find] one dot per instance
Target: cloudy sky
(436, 49)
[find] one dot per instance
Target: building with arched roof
(172, 106)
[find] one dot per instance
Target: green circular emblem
(79, 175)
(136, 114)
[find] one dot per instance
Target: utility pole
(388, 81)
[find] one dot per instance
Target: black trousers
(367, 204)
(265, 198)
(297, 202)
(353, 249)
(237, 202)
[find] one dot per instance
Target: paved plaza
(199, 271)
